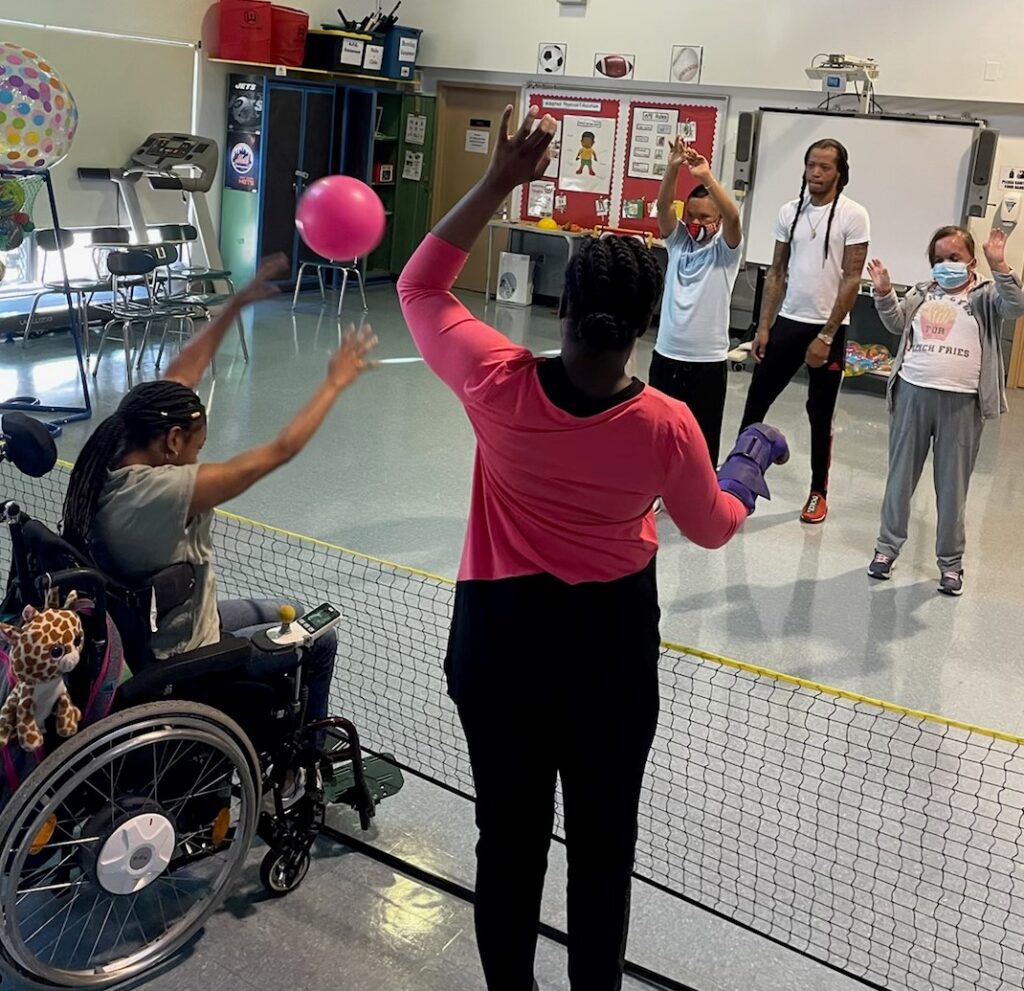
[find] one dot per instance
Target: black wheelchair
(124, 838)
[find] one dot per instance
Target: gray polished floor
(389, 475)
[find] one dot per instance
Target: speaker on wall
(746, 137)
(981, 172)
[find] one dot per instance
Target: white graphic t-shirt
(944, 350)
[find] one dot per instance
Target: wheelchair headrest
(27, 444)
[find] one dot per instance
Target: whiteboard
(126, 88)
(911, 176)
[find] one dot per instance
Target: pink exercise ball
(340, 218)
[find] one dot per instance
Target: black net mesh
(881, 842)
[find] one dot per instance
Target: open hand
(349, 361)
(696, 163)
(262, 287)
(995, 250)
(879, 277)
(523, 156)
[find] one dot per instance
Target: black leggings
(699, 384)
(783, 358)
(556, 680)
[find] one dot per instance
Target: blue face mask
(950, 275)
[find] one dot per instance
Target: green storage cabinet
(413, 196)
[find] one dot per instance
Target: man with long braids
(821, 245)
(554, 642)
(139, 501)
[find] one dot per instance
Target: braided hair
(843, 165)
(612, 286)
(145, 414)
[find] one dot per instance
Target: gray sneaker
(951, 582)
(881, 566)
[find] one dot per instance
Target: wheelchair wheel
(120, 844)
(281, 875)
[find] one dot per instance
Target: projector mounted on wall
(836, 72)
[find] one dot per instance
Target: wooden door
(1016, 372)
(464, 115)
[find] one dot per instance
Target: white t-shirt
(944, 350)
(814, 280)
(699, 281)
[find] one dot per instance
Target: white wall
(926, 49)
(755, 51)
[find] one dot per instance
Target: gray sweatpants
(950, 423)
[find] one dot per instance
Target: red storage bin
(288, 35)
(245, 30)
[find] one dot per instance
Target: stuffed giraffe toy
(43, 649)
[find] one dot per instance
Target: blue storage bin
(401, 51)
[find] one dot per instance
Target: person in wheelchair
(139, 501)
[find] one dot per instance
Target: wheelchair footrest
(383, 779)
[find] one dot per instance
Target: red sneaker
(815, 509)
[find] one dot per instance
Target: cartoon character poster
(587, 148)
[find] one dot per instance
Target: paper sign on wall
(413, 167)
(415, 129)
(541, 199)
(686, 64)
(654, 131)
(1011, 179)
(478, 142)
(586, 154)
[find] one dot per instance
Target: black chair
(50, 242)
(127, 268)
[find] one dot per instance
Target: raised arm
(518, 158)
(854, 257)
(771, 298)
(194, 358)
(891, 309)
(219, 483)
(667, 219)
(1009, 295)
(457, 346)
(700, 169)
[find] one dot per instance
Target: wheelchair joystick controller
(285, 633)
(298, 632)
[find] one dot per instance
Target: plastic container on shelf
(289, 28)
(245, 30)
(401, 51)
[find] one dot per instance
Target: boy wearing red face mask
(689, 361)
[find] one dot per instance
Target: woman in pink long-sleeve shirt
(553, 653)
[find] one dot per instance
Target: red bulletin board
(707, 120)
(581, 207)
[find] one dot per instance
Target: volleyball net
(882, 842)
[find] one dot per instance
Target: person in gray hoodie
(947, 380)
